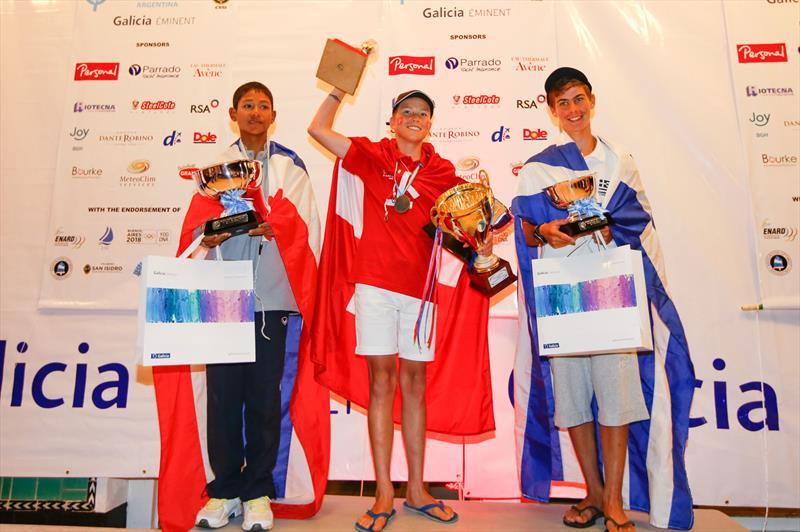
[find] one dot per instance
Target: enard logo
(406, 64)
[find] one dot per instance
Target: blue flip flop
(425, 512)
(375, 516)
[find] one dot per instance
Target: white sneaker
(257, 515)
(216, 512)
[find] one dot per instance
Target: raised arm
(321, 127)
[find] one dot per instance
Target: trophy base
(235, 224)
(493, 281)
(585, 225)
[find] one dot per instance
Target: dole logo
(204, 138)
(762, 53)
(96, 71)
(539, 134)
(406, 64)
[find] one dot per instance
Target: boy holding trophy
(641, 430)
(245, 399)
(397, 181)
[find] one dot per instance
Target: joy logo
(451, 63)
(79, 134)
(135, 70)
(760, 120)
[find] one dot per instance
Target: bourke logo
(762, 53)
(406, 64)
(96, 71)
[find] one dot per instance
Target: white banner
(155, 80)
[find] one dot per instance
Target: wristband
(335, 97)
(538, 234)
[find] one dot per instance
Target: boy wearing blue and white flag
(637, 403)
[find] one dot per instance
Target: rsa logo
(762, 53)
(96, 71)
(204, 108)
(406, 64)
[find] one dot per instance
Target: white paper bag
(195, 312)
(592, 304)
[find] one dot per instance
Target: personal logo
(64, 239)
(407, 64)
(204, 107)
(172, 139)
(473, 64)
(774, 232)
(96, 71)
(778, 262)
(204, 138)
(501, 134)
(106, 238)
(530, 134)
(61, 268)
(95, 3)
(79, 133)
(762, 53)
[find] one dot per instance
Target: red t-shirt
(394, 254)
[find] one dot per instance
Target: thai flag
(301, 472)
(458, 393)
(655, 475)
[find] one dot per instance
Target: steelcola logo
(57, 384)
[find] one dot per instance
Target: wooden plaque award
(341, 65)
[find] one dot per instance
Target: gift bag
(592, 304)
(195, 312)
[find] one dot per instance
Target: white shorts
(385, 323)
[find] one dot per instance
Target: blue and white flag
(655, 474)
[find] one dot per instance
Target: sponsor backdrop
(108, 105)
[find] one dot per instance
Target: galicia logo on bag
(96, 71)
(406, 64)
(552, 345)
(762, 53)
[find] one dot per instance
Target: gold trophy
(228, 182)
(583, 212)
(470, 213)
(342, 65)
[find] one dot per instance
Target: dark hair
(249, 86)
(562, 79)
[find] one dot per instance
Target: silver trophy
(227, 182)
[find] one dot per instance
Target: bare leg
(382, 384)
(412, 387)
(615, 448)
(585, 444)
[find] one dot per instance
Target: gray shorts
(613, 379)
